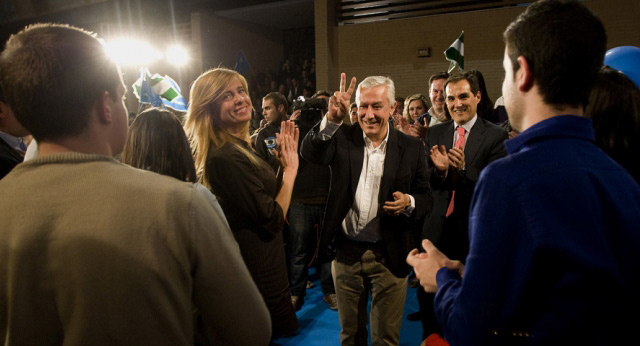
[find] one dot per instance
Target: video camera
(311, 111)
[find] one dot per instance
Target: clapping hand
(402, 122)
(427, 264)
(287, 148)
(417, 130)
(456, 158)
(440, 159)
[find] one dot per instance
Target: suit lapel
(11, 151)
(447, 138)
(476, 137)
(356, 156)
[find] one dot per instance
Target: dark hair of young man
(439, 75)
(321, 93)
(156, 142)
(469, 77)
(564, 62)
(70, 58)
(277, 99)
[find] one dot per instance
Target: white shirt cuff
(410, 208)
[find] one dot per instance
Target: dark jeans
(304, 230)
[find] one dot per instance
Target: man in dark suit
(460, 149)
(296, 89)
(455, 170)
(379, 192)
(10, 130)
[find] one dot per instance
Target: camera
(311, 110)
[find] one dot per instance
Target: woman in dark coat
(246, 187)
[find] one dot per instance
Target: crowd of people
(517, 220)
(295, 78)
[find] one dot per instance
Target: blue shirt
(13, 141)
(555, 246)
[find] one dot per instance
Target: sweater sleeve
(468, 309)
(224, 293)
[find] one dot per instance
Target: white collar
(468, 125)
(368, 142)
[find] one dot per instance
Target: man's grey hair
(374, 81)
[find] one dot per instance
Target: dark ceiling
(15, 14)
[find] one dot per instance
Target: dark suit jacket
(9, 158)
(405, 170)
(484, 145)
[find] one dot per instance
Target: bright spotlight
(177, 55)
(132, 52)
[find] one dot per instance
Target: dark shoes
(297, 302)
(414, 316)
(331, 300)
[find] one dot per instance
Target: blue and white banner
(159, 91)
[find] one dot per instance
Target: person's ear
(105, 108)
(524, 75)
(281, 108)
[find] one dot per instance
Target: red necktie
(459, 144)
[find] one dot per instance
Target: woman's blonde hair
(203, 125)
(414, 97)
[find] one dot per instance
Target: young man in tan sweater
(94, 252)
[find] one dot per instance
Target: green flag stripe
(458, 45)
(453, 54)
(170, 94)
(163, 88)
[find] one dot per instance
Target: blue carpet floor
(320, 326)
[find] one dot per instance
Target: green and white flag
(148, 88)
(455, 53)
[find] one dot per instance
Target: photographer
(307, 210)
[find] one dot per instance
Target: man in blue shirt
(554, 233)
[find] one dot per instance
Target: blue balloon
(625, 59)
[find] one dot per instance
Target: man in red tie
(460, 149)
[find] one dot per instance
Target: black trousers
(430, 323)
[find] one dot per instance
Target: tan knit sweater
(94, 252)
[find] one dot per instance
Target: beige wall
(391, 48)
(221, 39)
